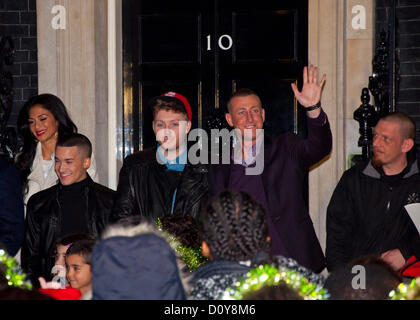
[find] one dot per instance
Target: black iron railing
(8, 143)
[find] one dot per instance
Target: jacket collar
(219, 266)
(413, 167)
(89, 182)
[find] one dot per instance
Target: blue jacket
(142, 267)
(12, 220)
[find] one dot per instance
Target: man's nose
(249, 117)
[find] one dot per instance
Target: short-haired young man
(75, 205)
(160, 181)
(280, 187)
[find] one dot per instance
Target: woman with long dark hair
(42, 120)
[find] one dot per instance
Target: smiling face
(171, 129)
(78, 273)
(42, 123)
(246, 113)
(71, 164)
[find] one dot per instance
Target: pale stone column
(345, 56)
(72, 64)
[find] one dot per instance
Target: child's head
(234, 228)
(184, 228)
(63, 243)
(78, 259)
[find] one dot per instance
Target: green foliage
(269, 275)
(14, 275)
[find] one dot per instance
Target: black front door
(205, 50)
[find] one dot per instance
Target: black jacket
(143, 188)
(366, 214)
(43, 226)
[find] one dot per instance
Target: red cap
(183, 100)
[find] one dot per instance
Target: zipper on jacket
(388, 205)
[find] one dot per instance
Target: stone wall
(344, 53)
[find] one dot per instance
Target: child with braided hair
(234, 239)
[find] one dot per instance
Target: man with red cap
(160, 181)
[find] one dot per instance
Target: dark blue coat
(287, 159)
(142, 267)
(12, 220)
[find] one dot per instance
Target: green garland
(266, 275)
(409, 291)
(192, 257)
(14, 274)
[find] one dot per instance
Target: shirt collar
(251, 153)
(177, 164)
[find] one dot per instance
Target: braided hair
(234, 227)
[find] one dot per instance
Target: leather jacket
(143, 189)
(43, 225)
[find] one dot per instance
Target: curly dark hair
(185, 228)
(65, 127)
(234, 227)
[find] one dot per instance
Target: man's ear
(407, 145)
(205, 249)
(86, 163)
(189, 124)
(229, 119)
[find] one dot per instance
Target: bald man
(366, 214)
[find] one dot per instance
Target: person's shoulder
(358, 167)
(144, 157)
(103, 189)
(44, 194)
(42, 198)
(358, 170)
(281, 138)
